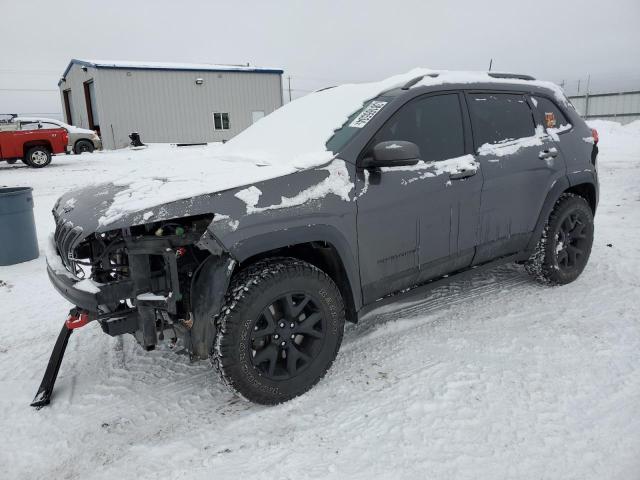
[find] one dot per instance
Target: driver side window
(433, 123)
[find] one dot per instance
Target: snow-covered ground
(495, 377)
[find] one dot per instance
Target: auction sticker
(367, 114)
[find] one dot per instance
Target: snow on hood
(290, 139)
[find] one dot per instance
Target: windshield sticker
(367, 114)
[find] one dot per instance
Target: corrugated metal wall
(168, 106)
(74, 81)
(622, 107)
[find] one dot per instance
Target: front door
(519, 161)
(419, 222)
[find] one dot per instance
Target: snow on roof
(195, 67)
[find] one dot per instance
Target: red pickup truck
(33, 147)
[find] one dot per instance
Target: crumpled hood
(87, 206)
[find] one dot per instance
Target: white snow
(250, 196)
(337, 183)
(433, 169)
(66, 126)
(151, 297)
(493, 377)
(464, 77)
(510, 147)
(88, 285)
(174, 65)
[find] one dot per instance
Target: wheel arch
(320, 245)
(35, 143)
(586, 190)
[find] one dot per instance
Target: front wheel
(279, 330)
(38, 157)
(563, 250)
(83, 146)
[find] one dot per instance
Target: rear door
(419, 222)
(519, 161)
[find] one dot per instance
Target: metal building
(166, 102)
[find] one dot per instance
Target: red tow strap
(77, 321)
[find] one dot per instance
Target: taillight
(594, 134)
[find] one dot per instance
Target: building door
(256, 115)
(92, 111)
(67, 106)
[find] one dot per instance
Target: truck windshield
(354, 123)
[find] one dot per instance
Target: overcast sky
(320, 43)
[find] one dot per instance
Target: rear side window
(500, 117)
(550, 113)
(434, 124)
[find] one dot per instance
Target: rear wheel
(279, 330)
(11, 161)
(38, 157)
(564, 248)
(83, 146)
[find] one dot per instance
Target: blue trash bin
(18, 241)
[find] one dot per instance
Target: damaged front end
(139, 280)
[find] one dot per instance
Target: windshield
(311, 129)
(354, 124)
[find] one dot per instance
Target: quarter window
(499, 117)
(551, 114)
(433, 123)
(221, 121)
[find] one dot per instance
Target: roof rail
(413, 81)
(515, 76)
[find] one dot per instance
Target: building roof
(171, 66)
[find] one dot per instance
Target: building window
(221, 121)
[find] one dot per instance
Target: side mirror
(396, 153)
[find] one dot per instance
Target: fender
(553, 195)
(258, 244)
(208, 287)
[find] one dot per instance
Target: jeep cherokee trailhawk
(337, 203)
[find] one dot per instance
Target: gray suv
(428, 180)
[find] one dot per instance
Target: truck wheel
(37, 157)
(11, 161)
(278, 331)
(564, 248)
(82, 146)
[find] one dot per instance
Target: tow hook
(76, 319)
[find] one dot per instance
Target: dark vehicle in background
(447, 178)
(33, 147)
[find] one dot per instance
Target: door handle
(550, 153)
(462, 174)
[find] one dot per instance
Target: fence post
(586, 98)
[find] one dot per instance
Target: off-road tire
(37, 157)
(83, 146)
(251, 292)
(548, 263)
